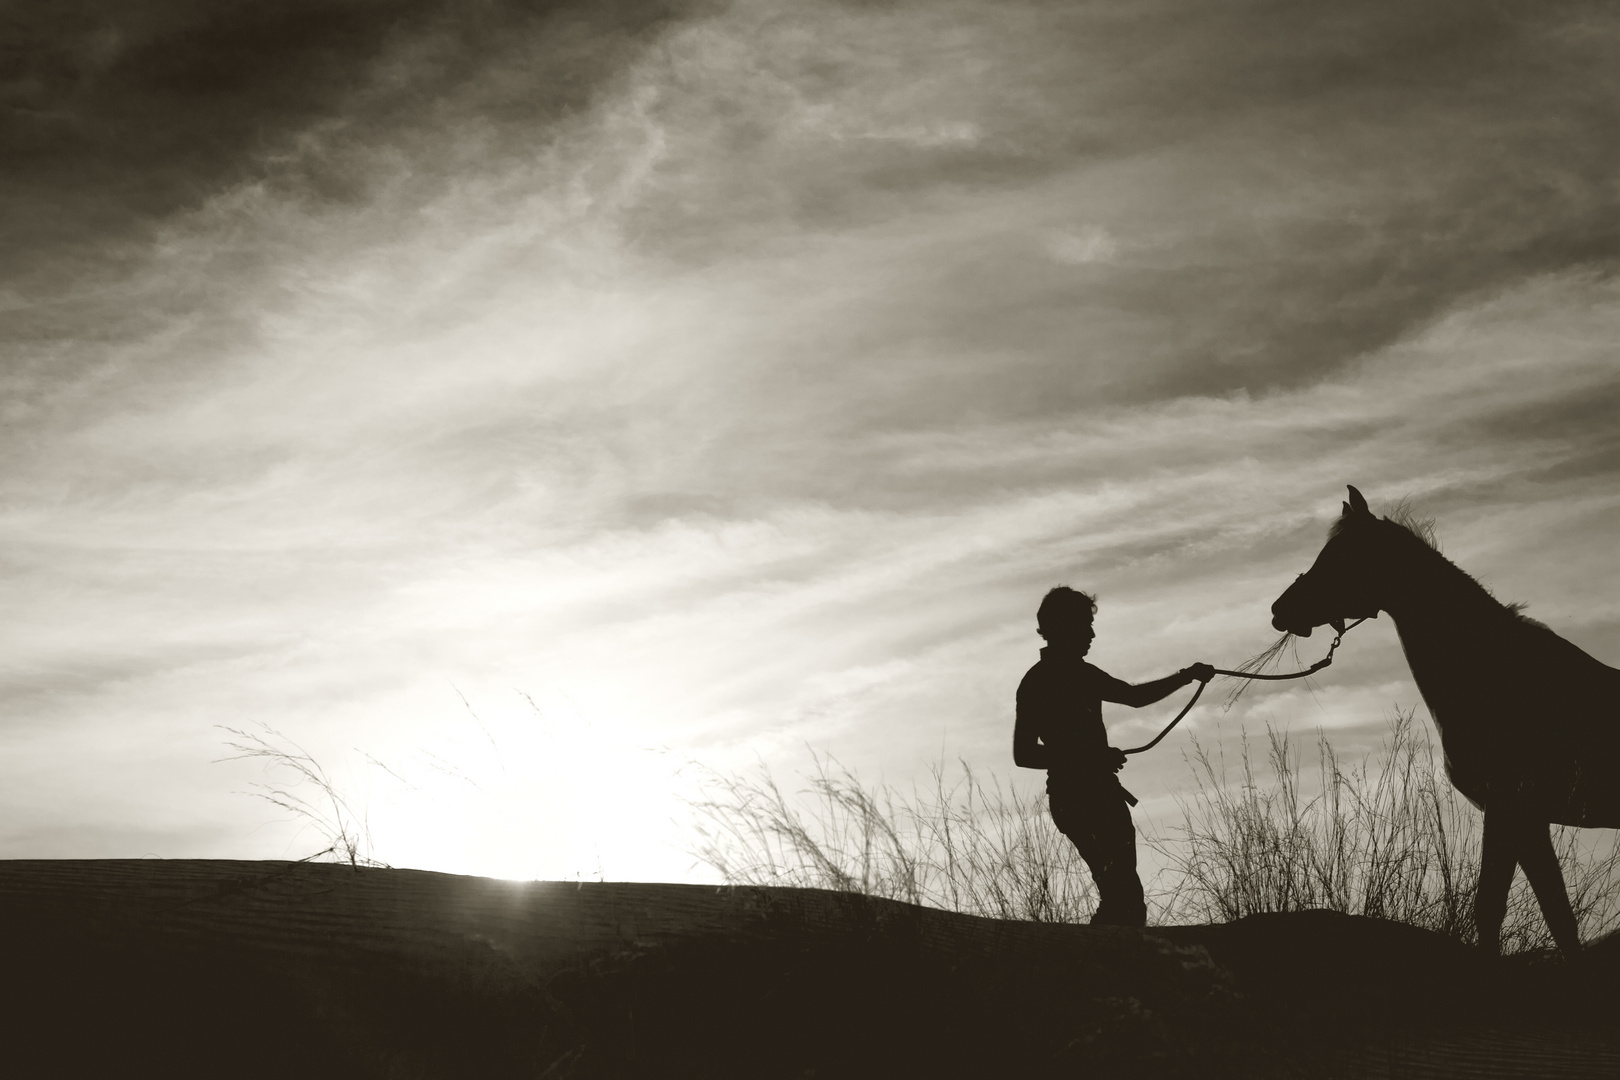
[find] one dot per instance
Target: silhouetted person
(1060, 729)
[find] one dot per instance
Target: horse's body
(1530, 724)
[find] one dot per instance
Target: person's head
(1065, 617)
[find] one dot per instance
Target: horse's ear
(1356, 503)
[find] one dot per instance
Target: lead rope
(1312, 670)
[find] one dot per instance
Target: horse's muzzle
(1279, 623)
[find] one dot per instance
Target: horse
(1529, 723)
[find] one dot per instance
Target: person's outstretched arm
(1124, 693)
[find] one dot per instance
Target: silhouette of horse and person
(1529, 723)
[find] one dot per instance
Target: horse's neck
(1443, 616)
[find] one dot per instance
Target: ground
(239, 969)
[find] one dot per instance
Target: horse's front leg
(1540, 864)
(1497, 858)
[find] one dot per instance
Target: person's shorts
(1099, 810)
(1087, 793)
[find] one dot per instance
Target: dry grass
(965, 845)
(303, 788)
(1388, 838)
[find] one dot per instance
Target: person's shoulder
(1039, 672)
(1061, 671)
(1093, 679)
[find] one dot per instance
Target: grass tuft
(963, 845)
(307, 792)
(1389, 838)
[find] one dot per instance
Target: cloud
(1088, 245)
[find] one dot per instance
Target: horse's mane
(1403, 515)
(1421, 529)
(1400, 514)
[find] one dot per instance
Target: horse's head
(1342, 583)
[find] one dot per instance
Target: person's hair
(1063, 611)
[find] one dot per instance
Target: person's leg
(1099, 860)
(1123, 888)
(1075, 818)
(1101, 830)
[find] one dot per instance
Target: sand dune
(222, 969)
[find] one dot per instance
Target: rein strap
(1312, 670)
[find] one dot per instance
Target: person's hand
(1119, 757)
(1199, 672)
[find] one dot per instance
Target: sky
(529, 409)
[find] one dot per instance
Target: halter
(1312, 670)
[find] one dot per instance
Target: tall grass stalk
(1393, 841)
(305, 790)
(963, 845)
(1388, 838)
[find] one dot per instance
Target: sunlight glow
(514, 790)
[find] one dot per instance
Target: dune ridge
(195, 967)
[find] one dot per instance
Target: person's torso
(1066, 692)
